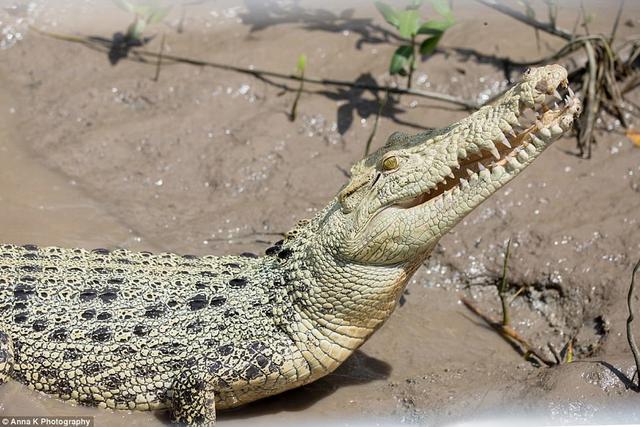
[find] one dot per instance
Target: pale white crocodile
(128, 330)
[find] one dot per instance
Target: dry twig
(509, 334)
(159, 61)
(630, 337)
(104, 45)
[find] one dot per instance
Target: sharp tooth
(511, 118)
(505, 127)
(473, 178)
(537, 141)
(556, 94)
(545, 132)
(446, 170)
(556, 130)
(504, 141)
(451, 175)
(530, 149)
(485, 175)
(523, 156)
(497, 172)
(556, 106)
(470, 172)
(481, 167)
(494, 152)
(464, 183)
(513, 163)
(571, 93)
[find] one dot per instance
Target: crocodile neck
(336, 304)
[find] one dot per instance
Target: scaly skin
(128, 330)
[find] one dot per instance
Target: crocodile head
(402, 198)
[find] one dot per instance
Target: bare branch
(467, 104)
(614, 30)
(630, 337)
(548, 28)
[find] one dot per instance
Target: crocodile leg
(193, 400)
(6, 355)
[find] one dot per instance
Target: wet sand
(206, 161)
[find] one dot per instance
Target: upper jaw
(498, 141)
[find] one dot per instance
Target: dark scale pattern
(141, 331)
(116, 328)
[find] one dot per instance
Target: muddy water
(44, 207)
(41, 206)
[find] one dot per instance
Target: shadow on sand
(357, 369)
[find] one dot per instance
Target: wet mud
(206, 161)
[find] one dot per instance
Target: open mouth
(528, 132)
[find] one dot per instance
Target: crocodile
(139, 331)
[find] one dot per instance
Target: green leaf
(400, 60)
(158, 14)
(388, 13)
(124, 5)
(441, 7)
(434, 28)
(408, 23)
(429, 45)
(302, 64)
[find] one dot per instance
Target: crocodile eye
(390, 163)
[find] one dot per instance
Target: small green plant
(300, 67)
(145, 13)
(410, 26)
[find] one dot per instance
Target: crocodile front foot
(193, 400)
(6, 355)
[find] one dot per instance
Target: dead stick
(615, 24)
(502, 290)
(585, 137)
(467, 104)
(506, 332)
(630, 337)
(381, 104)
(526, 20)
(159, 62)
